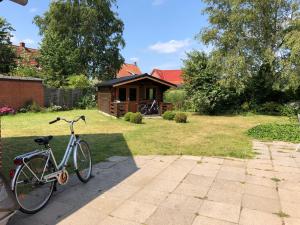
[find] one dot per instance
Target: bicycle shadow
(116, 164)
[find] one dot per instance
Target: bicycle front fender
(75, 155)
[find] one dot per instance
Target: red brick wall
(15, 93)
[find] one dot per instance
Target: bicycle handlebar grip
(54, 121)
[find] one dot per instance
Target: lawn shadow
(75, 195)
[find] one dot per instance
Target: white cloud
(33, 10)
(134, 59)
(28, 41)
(158, 2)
(170, 46)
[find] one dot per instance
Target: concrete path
(182, 190)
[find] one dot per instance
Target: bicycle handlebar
(68, 121)
(54, 121)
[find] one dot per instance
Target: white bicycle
(37, 172)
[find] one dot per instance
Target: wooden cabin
(126, 94)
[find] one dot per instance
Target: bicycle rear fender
(29, 155)
(25, 157)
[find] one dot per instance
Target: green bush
(245, 107)
(279, 132)
(34, 107)
(88, 101)
(23, 110)
(31, 106)
(181, 118)
(168, 115)
(127, 116)
(136, 118)
(177, 97)
(289, 110)
(270, 108)
(55, 108)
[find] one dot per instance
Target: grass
(275, 131)
(202, 135)
(282, 214)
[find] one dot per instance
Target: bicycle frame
(72, 147)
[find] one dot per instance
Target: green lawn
(202, 135)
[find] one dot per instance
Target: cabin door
(132, 99)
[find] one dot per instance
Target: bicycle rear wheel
(83, 161)
(32, 195)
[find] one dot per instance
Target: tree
(79, 81)
(7, 54)
(203, 84)
(80, 37)
(255, 39)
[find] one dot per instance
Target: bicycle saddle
(43, 140)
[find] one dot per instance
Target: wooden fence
(62, 97)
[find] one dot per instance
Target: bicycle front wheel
(83, 162)
(32, 193)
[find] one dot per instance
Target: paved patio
(182, 190)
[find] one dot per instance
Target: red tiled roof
(30, 54)
(172, 76)
(128, 70)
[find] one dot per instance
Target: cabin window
(150, 93)
(122, 94)
(132, 94)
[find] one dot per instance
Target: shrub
(23, 110)
(168, 115)
(31, 106)
(87, 101)
(127, 116)
(205, 86)
(270, 108)
(245, 107)
(180, 118)
(136, 118)
(177, 97)
(55, 108)
(6, 110)
(34, 107)
(287, 110)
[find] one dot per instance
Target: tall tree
(255, 38)
(7, 53)
(81, 37)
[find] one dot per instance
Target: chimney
(135, 63)
(22, 44)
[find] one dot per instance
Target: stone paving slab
(182, 190)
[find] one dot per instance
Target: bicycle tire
(46, 200)
(84, 179)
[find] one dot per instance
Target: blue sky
(157, 32)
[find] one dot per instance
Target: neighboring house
(129, 70)
(26, 56)
(126, 94)
(172, 76)
(17, 91)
